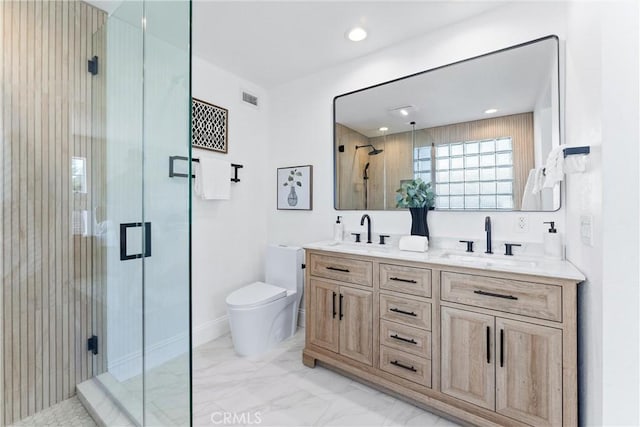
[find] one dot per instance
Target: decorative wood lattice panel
(209, 126)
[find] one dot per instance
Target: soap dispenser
(338, 230)
(553, 247)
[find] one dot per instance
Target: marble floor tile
(279, 390)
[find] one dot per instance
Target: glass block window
(422, 163)
(471, 174)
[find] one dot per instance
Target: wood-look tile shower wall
(48, 262)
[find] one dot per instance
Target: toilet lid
(257, 293)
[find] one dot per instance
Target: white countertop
(537, 266)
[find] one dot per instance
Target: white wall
(620, 213)
(229, 236)
(602, 111)
(601, 95)
(584, 195)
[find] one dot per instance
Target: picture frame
(209, 126)
(295, 188)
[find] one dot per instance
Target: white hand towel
(530, 198)
(554, 168)
(213, 179)
(538, 180)
(414, 243)
(575, 163)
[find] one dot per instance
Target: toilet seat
(258, 293)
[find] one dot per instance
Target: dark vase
(419, 226)
(293, 197)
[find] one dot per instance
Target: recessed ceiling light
(383, 129)
(357, 34)
(402, 112)
(491, 111)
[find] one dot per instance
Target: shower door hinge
(92, 65)
(92, 344)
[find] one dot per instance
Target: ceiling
(272, 42)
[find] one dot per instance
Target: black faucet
(365, 216)
(487, 229)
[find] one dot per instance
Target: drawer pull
(342, 270)
(397, 279)
(408, 313)
(400, 365)
(396, 337)
(491, 294)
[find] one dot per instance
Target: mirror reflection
(479, 131)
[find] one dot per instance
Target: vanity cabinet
(341, 314)
(507, 366)
(485, 347)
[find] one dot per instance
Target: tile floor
(274, 390)
(281, 391)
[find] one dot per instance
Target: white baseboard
(130, 365)
(210, 330)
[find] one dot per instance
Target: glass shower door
(117, 178)
(167, 113)
(142, 104)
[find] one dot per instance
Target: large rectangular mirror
(478, 130)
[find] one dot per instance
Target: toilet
(262, 314)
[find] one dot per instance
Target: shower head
(373, 151)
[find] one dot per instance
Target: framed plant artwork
(295, 188)
(210, 125)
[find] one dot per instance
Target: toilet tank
(283, 267)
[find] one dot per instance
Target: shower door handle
(123, 240)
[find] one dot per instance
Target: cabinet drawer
(343, 269)
(406, 338)
(410, 280)
(405, 365)
(512, 296)
(406, 311)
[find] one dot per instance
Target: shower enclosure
(96, 244)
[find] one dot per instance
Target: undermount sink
(488, 260)
(361, 247)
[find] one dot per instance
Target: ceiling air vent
(250, 99)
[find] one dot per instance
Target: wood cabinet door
(468, 353)
(323, 318)
(529, 372)
(356, 324)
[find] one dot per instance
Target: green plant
(294, 178)
(415, 194)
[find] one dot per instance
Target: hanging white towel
(554, 168)
(538, 180)
(213, 179)
(575, 163)
(414, 243)
(530, 198)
